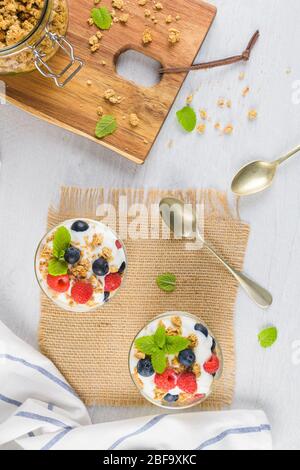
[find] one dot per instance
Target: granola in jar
(22, 20)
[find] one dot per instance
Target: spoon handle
(257, 293)
(288, 155)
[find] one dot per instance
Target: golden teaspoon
(258, 176)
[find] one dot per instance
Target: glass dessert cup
(35, 49)
(190, 373)
(80, 265)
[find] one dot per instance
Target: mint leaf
(166, 282)
(268, 337)
(146, 345)
(105, 126)
(57, 268)
(175, 344)
(159, 361)
(160, 336)
(187, 118)
(61, 242)
(101, 17)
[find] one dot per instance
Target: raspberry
(118, 244)
(212, 365)
(187, 382)
(166, 381)
(112, 282)
(82, 292)
(199, 396)
(58, 283)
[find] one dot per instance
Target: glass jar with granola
(31, 32)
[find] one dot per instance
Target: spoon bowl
(254, 178)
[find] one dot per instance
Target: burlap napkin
(91, 349)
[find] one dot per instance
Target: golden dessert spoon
(258, 176)
(183, 223)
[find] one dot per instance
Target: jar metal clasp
(60, 78)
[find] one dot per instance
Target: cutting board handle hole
(139, 68)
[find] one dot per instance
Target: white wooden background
(38, 158)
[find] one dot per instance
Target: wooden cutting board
(74, 107)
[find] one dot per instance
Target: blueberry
(145, 368)
(201, 328)
(213, 345)
(106, 296)
(187, 358)
(122, 268)
(72, 255)
(80, 226)
(171, 398)
(100, 267)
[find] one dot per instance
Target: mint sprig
(187, 118)
(268, 337)
(166, 282)
(159, 345)
(57, 265)
(105, 126)
(101, 17)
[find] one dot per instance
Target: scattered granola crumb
(169, 19)
(90, 21)
(158, 6)
(93, 40)
(193, 341)
(217, 126)
(174, 36)
(229, 104)
(189, 99)
(228, 129)
(99, 35)
(103, 62)
(147, 37)
(142, 3)
(197, 370)
(221, 103)
(176, 321)
(89, 82)
(201, 128)
(177, 17)
(146, 142)
(242, 76)
(147, 13)
(134, 120)
(95, 47)
(246, 91)
(155, 21)
(113, 268)
(119, 4)
(100, 111)
(96, 2)
(139, 355)
(252, 114)
(107, 253)
(116, 19)
(124, 18)
(111, 96)
(203, 114)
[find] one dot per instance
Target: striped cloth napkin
(40, 411)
